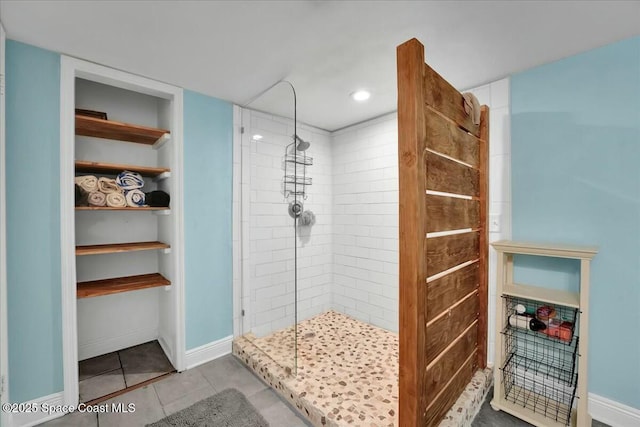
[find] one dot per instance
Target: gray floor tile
(98, 365)
(144, 362)
(227, 372)
(264, 399)
(101, 385)
(75, 419)
(280, 415)
(147, 409)
(178, 385)
(189, 399)
(487, 417)
(270, 405)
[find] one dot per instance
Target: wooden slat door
(443, 167)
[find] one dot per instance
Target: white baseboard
(34, 418)
(613, 413)
(108, 345)
(208, 352)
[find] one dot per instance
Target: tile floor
(112, 372)
(347, 372)
(179, 391)
(487, 417)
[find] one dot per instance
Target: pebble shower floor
(347, 372)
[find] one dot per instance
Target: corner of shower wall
(365, 204)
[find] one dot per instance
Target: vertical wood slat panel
(445, 137)
(412, 265)
(483, 292)
(439, 407)
(439, 94)
(451, 213)
(446, 329)
(443, 370)
(445, 252)
(451, 177)
(442, 293)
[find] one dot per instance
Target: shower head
(301, 144)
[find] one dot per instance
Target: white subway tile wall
(270, 256)
(365, 228)
(348, 261)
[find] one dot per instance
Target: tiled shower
(347, 263)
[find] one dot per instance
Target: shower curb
(461, 413)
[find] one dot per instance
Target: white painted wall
(113, 322)
(268, 230)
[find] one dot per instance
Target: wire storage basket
(540, 357)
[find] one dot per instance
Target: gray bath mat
(229, 408)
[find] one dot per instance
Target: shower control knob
(295, 209)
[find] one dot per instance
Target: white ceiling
(236, 49)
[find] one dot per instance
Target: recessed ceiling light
(361, 95)
(257, 137)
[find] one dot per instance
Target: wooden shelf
(543, 249)
(117, 285)
(538, 293)
(115, 168)
(109, 208)
(109, 129)
(113, 248)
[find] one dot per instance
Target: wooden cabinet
(541, 341)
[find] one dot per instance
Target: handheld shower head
(301, 144)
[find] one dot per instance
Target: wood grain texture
(452, 359)
(448, 251)
(447, 138)
(115, 168)
(447, 397)
(439, 94)
(110, 129)
(411, 172)
(96, 288)
(112, 248)
(483, 288)
(446, 329)
(450, 213)
(442, 293)
(451, 177)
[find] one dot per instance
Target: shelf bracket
(162, 176)
(162, 212)
(166, 251)
(161, 141)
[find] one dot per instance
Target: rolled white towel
(135, 198)
(108, 185)
(116, 200)
(128, 180)
(96, 198)
(88, 183)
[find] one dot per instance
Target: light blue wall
(208, 171)
(33, 221)
(576, 179)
